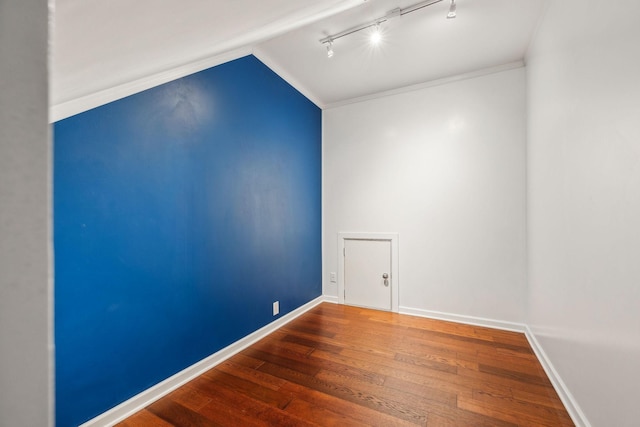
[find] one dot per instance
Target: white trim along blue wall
(138, 402)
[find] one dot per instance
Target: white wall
(584, 202)
(25, 370)
(444, 167)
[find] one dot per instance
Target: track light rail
(389, 15)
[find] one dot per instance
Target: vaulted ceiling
(98, 46)
(418, 47)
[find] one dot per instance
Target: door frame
(394, 273)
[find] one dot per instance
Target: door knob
(385, 275)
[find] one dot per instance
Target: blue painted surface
(180, 214)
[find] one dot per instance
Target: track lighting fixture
(452, 10)
(376, 35)
(330, 49)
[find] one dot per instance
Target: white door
(367, 273)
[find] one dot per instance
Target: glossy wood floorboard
(346, 366)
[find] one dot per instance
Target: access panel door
(367, 273)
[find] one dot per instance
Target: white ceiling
(101, 46)
(418, 47)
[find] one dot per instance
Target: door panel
(365, 264)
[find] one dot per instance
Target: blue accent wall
(180, 215)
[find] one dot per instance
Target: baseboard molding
(468, 320)
(576, 414)
(140, 401)
(330, 298)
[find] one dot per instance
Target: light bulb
(376, 35)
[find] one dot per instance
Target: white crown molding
(267, 60)
(78, 105)
(141, 400)
(428, 84)
(84, 103)
(228, 51)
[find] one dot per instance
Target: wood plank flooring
(346, 366)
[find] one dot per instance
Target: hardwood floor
(345, 366)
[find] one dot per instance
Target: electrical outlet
(333, 277)
(276, 308)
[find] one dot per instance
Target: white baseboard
(468, 320)
(141, 400)
(330, 298)
(576, 414)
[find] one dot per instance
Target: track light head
(452, 10)
(330, 49)
(376, 35)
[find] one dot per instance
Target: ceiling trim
(427, 84)
(288, 77)
(233, 49)
(84, 103)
